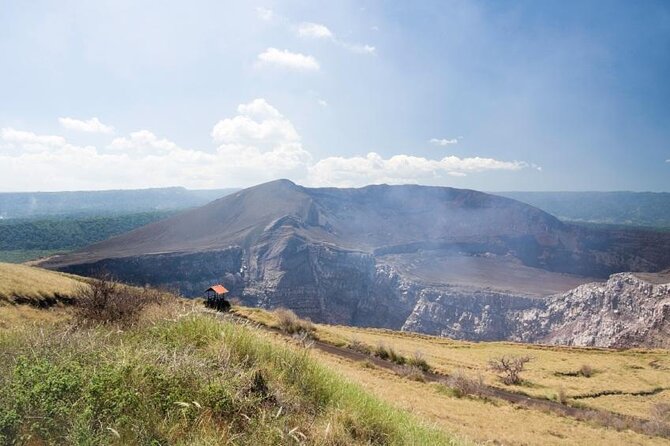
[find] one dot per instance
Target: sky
(496, 96)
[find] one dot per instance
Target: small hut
(215, 297)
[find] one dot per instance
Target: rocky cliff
(625, 311)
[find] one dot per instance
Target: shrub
(561, 395)
(509, 368)
(389, 354)
(381, 351)
(289, 323)
(106, 301)
(418, 361)
(462, 385)
(586, 371)
(411, 372)
(359, 347)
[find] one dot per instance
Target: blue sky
(523, 95)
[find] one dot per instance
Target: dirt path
(597, 416)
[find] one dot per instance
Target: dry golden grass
(28, 283)
(628, 371)
(482, 421)
(14, 316)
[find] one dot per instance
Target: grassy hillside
(631, 383)
(34, 285)
(182, 376)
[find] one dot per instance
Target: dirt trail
(597, 416)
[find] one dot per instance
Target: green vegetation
(196, 380)
(26, 239)
(642, 209)
(24, 255)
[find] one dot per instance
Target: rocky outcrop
(625, 311)
(477, 315)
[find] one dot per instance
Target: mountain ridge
(368, 256)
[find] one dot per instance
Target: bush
(509, 368)
(289, 323)
(561, 395)
(106, 301)
(586, 371)
(462, 385)
(411, 372)
(387, 353)
(359, 347)
(418, 361)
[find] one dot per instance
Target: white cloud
(314, 31)
(264, 13)
(257, 144)
(358, 171)
(257, 123)
(443, 141)
(92, 125)
(287, 59)
(142, 142)
(323, 102)
(360, 49)
(319, 31)
(29, 141)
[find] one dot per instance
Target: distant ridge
(650, 209)
(82, 203)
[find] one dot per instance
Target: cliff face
(444, 261)
(625, 311)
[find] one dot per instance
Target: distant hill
(86, 203)
(618, 208)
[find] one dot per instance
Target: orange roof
(218, 289)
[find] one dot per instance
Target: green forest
(25, 239)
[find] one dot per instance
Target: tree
(509, 367)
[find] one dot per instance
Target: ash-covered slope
(370, 256)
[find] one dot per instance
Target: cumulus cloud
(443, 141)
(256, 144)
(373, 168)
(287, 59)
(92, 125)
(142, 142)
(314, 31)
(257, 123)
(29, 141)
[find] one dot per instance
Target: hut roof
(218, 289)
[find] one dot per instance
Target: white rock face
(626, 311)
